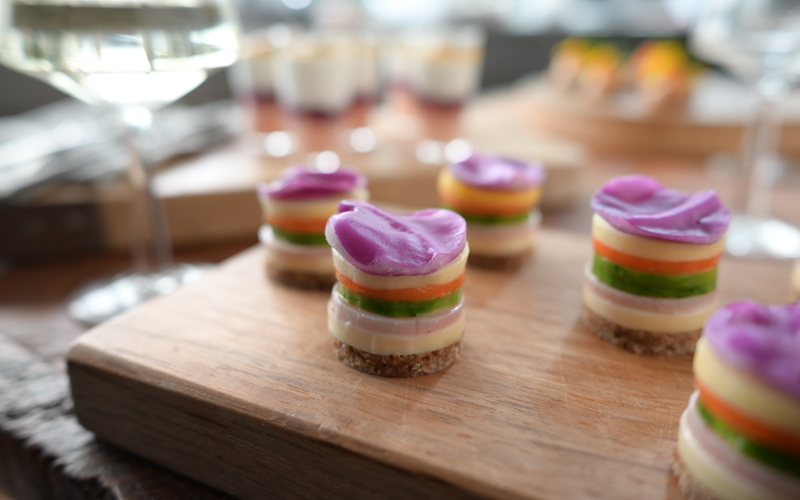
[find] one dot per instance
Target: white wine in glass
(133, 57)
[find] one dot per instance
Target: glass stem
(762, 164)
(151, 249)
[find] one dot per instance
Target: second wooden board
(233, 382)
(713, 121)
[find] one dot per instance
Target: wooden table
(44, 453)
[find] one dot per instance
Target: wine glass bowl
(132, 57)
(750, 38)
(145, 54)
(759, 42)
(251, 80)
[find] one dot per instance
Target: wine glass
(252, 81)
(360, 136)
(132, 56)
(443, 73)
(315, 85)
(758, 41)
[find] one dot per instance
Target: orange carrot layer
(482, 208)
(312, 226)
(403, 294)
(653, 266)
(748, 426)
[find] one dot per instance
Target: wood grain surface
(233, 382)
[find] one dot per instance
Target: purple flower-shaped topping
(494, 172)
(765, 340)
(378, 242)
(640, 205)
(303, 183)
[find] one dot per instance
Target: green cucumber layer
(743, 445)
(490, 220)
(299, 238)
(676, 286)
(398, 308)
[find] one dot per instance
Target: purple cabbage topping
(494, 172)
(764, 340)
(303, 183)
(640, 205)
(386, 244)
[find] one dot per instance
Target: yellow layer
(643, 320)
(449, 184)
(484, 243)
(313, 209)
(311, 264)
(745, 392)
(796, 277)
(444, 275)
(652, 248)
(707, 471)
(395, 344)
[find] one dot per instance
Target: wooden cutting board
(233, 382)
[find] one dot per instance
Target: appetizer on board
(296, 209)
(397, 310)
(652, 282)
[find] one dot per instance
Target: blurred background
(520, 34)
(515, 39)
(589, 88)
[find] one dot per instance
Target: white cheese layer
(652, 248)
(638, 319)
(311, 209)
(446, 274)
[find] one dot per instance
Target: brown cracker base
(301, 280)
(691, 488)
(640, 341)
(397, 365)
(498, 263)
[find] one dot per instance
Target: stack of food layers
(397, 309)
(739, 439)
(497, 197)
(652, 282)
(296, 209)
